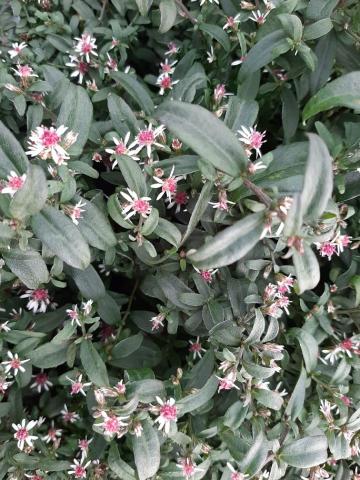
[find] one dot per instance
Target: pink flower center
(235, 476)
(15, 363)
(15, 183)
(195, 347)
(141, 206)
(226, 384)
(165, 68)
(206, 275)
(346, 344)
(83, 67)
(76, 212)
(328, 249)
(346, 400)
(166, 82)
(52, 434)
(146, 137)
(111, 425)
(256, 139)
(41, 379)
(40, 295)
(188, 468)
(22, 434)
(49, 138)
(169, 412)
(230, 21)
(25, 71)
(169, 185)
(84, 444)
(180, 198)
(73, 314)
(86, 47)
(120, 149)
(76, 388)
(79, 472)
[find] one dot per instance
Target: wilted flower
(325, 408)
(86, 307)
(167, 414)
(73, 314)
(157, 321)
(235, 475)
(172, 49)
(53, 434)
(22, 433)
(111, 64)
(4, 385)
(179, 199)
(38, 301)
(223, 202)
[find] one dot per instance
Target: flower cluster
(275, 296)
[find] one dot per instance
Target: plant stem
(186, 12)
(128, 309)
(103, 8)
(262, 196)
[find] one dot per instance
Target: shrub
(180, 281)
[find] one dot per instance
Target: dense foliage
(180, 281)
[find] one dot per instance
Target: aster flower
(157, 321)
(235, 474)
(223, 203)
(146, 138)
(173, 49)
(86, 46)
(179, 199)
(68, 416)
(326, 249)
(14, 183)
(24, 71)
(232, 22)
(188, 467)
(165, 83)
(252, 138)
(228, 382)
(220, 93)
(83, 445)
(14, 364)
(86, 307)
(346, 347)
(121, 148)
(258, 17)
(326, 408)
(4, 327)
(167, 67)
(113, 425)
(73, 313)
(75, 211)
(252, 167)
(77, 386)
(196, 348)
(41, 381)
(111, 64)
(207, 275)
(16, 49)
(38, 301)
(22, 433)
(167, 414)
(136, 204)
(120, 388)
(53, 434)
(48, 143)
(168, 185)
(80, 67)
(4, 385)
(78, 468)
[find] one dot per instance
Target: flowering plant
(179, 233)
